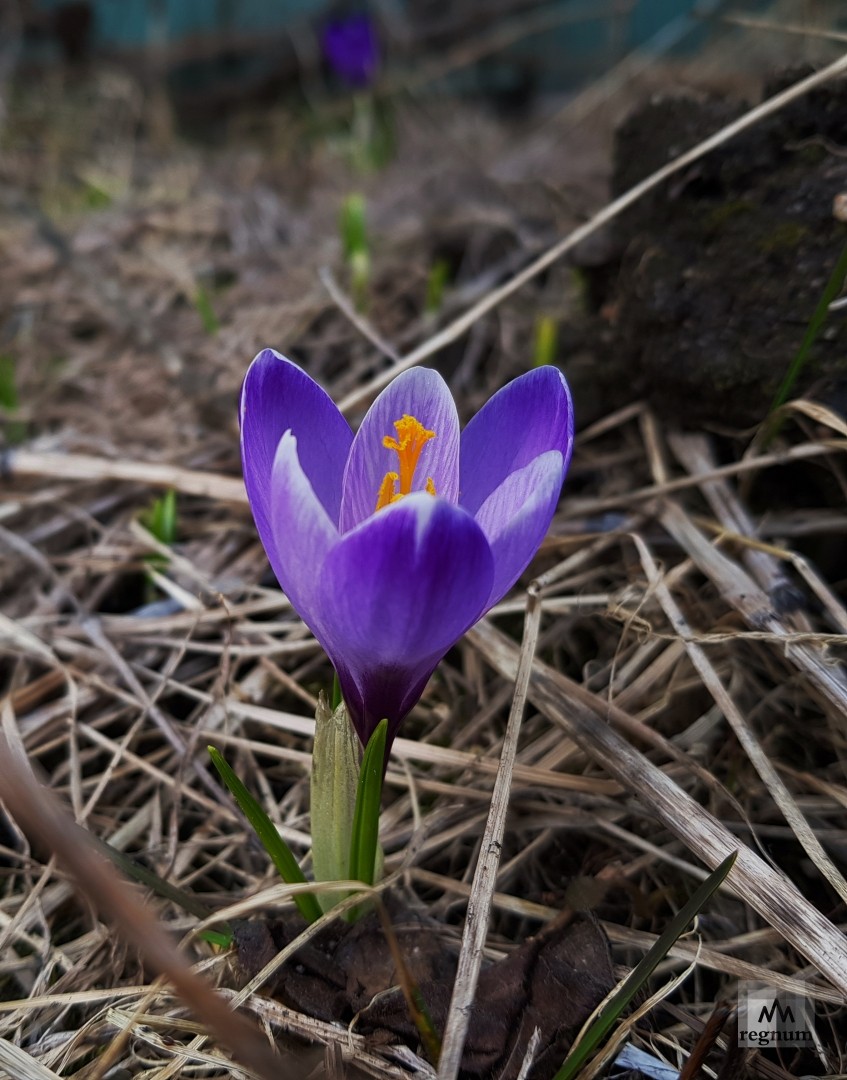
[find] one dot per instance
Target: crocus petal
(302, 537)
(419, 392)
(278, 396)
(516, 516)
(527, 417)
(402, 588)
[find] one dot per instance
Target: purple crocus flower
(393, 542)
(351, 48)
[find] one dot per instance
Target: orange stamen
(412, 436)
(386, 490)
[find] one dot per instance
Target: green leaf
(280, 853)
(213, 937)
(611, 1011)
(365, 837)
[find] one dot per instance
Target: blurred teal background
(135, 23)
(213, 54)
(573, 36)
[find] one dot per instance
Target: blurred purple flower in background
(393, 542)
(351, 48)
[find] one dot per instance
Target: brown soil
(551, 983)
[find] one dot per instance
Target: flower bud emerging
(335, 773)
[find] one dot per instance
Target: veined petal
(529, 416)
(423, 394)
(402, 587)
(516, 516)
(278, 396)
(302, 537)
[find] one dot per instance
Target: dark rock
(722, 267)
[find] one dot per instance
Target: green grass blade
(133, 869)
(280, 853)
(411, 990)
(639, 975)
(832, 289)
(365, 836)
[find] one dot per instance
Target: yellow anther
(386, 491)
(412, 436)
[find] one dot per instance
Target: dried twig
(485, 875)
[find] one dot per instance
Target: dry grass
(682, 692)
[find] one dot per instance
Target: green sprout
(354, 241)
(372, 141)
(203, 304)
(161, 521)
(14, 428)
(335, 771)
(436, 283)
(161, 518)
(546, 338)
